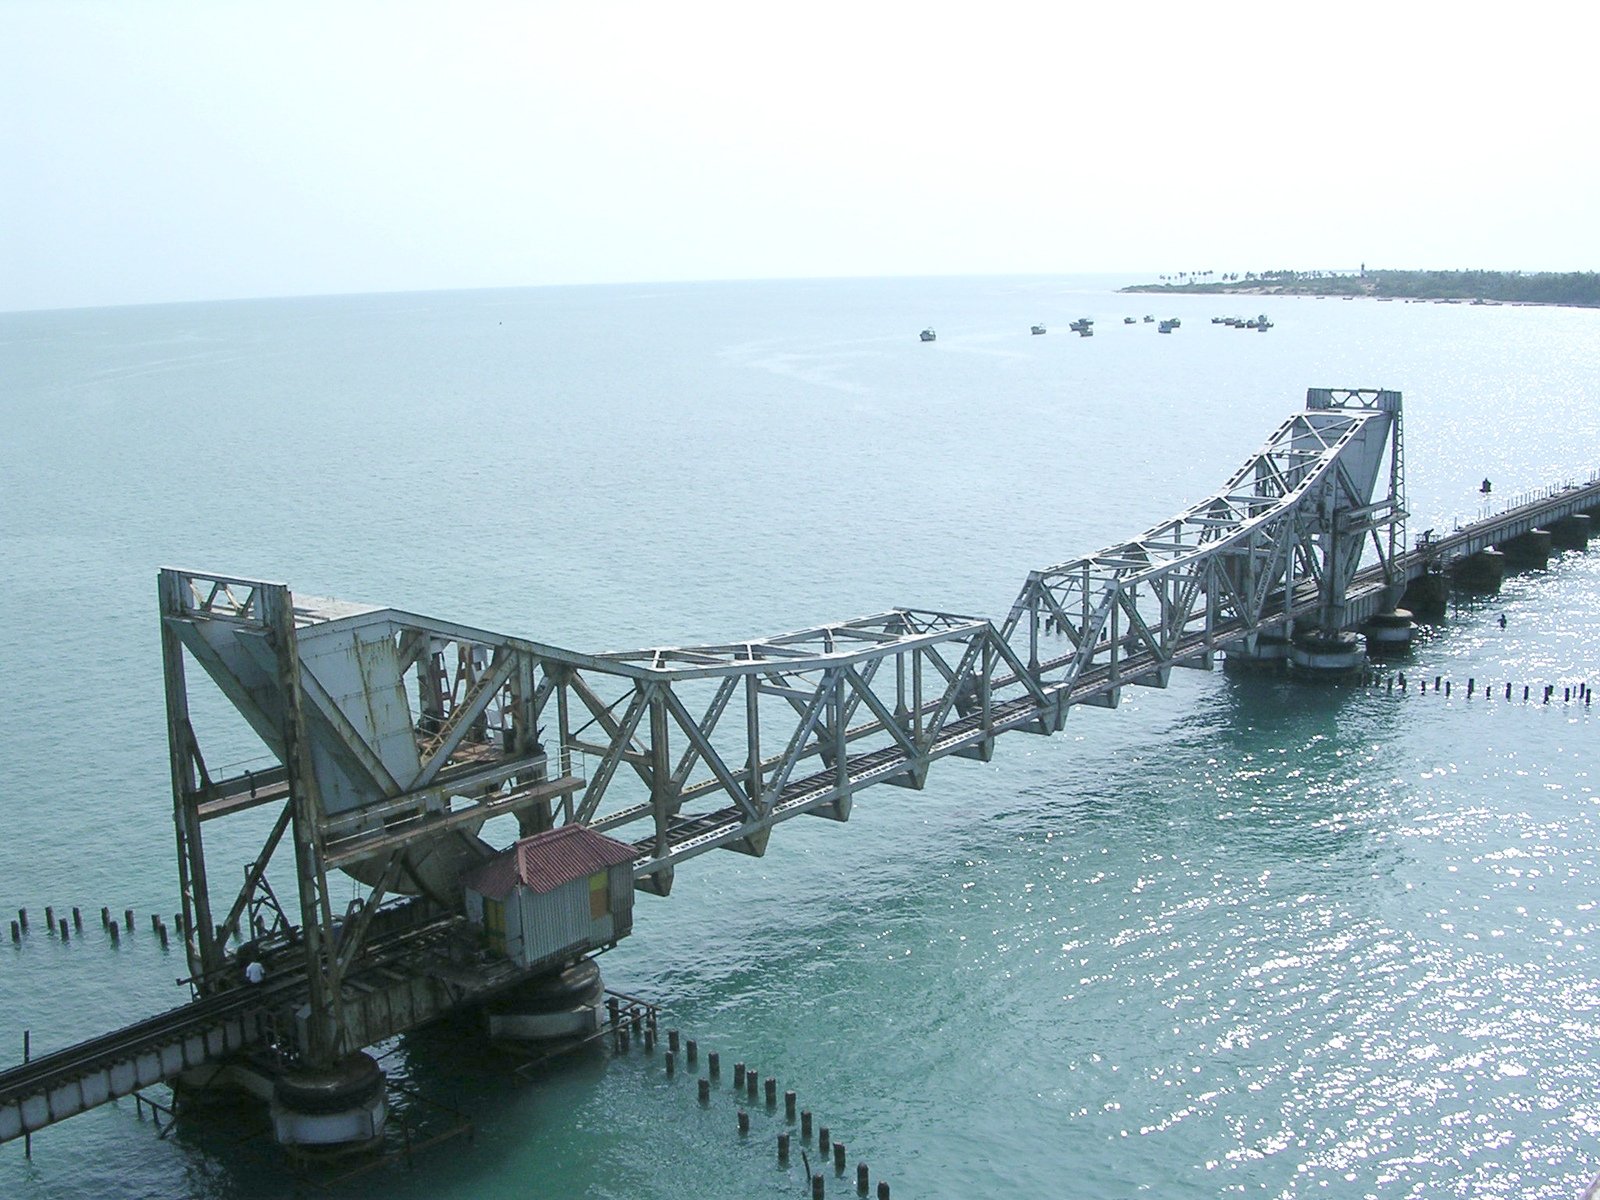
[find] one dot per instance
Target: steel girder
(824, 713)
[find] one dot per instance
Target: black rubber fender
(353, 1082)
(570, 987)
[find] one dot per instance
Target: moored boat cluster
(1084, 326)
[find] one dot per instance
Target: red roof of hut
(545, 861)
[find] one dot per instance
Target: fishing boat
(1038, 329)
(928, 335)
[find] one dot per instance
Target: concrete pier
(1480, 572)
(1267, 651)
(1530, 552)
(1571, 533)
(1388, 634)
(343, 1107)
(1428, 596)
(1326, 654)
(562, 1004)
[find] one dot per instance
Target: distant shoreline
(1579, 289)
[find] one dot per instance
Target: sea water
(1238, 937)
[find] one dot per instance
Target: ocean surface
(1237, 937)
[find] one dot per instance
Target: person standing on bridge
(254, 972)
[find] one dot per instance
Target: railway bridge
(394, 738)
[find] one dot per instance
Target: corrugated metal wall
(554, 921)
(539, 926)
(516, 947)
(621, 918)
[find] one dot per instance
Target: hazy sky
(156, 150)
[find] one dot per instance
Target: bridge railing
(1530, 496)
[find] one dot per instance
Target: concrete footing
(1388, 634)
(1529, 552)
(1427, 597)
(1480, 572)
(1321, 654)
(343, 1107)
(1268, 651)
(568, 1003)
(1572, 533)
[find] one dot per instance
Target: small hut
(553, 896)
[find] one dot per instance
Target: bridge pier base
(1388, 634)
(341, 1108)
(1321, 654)
(567, 1003)
(1571, 533)
(1531, 551)
(1270, 652)
(1480, 572)
(1428, 596)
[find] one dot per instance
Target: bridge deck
(62, 1084)
(404, 981)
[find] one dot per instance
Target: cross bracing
(397, 736)
(1297, 514)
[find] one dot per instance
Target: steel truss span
(415, 727)
(394, 736)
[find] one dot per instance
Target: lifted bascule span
(398, 734)
(395, 736)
